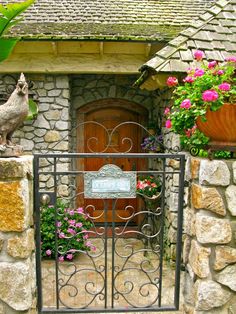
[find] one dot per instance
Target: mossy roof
(214, 32)
(146, 20)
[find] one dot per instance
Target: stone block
(1, 243)
(195, 165)
(212, 230)
(227, 277)
(208, 198)
(11, 168)
(52, 136)
(210, 294)
(230, 194)
(62, 81)
(12, 207)
(199, 259)
(214, 172)
(16, 283)
(234, 171)
(21, 247)
(53, 115)
(224, 255)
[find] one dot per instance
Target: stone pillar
(210, 245)
(17, 260)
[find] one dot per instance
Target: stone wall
(210, 244)
(17, 260)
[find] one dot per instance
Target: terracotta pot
(220, 126)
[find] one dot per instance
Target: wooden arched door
(127, 137)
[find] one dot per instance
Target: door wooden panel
(122, 139)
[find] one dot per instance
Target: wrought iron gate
(118, 264)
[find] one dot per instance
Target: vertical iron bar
(162, 229)
(55, 223)
(113, 252)
(179, 231)
(105, 217)
(38, 235)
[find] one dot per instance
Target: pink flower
(61, 235)
(231, 59)
(168, 124)
(48, 252)
(199, 72)
(80, 210)
(172, 81)
(71, 222)
(88, 243)
(186, 104)
(190, 132)
(61, 258)
(198, 55)
(71, 231)
(71, 212)
(58, 224)
(85, 237)
(212, 64)
(210, 95)
(79, 225)
(167, 111)
(188, 79)
(224, 86)
(69, 256)
(220, 72)
(93, 248)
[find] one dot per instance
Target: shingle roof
(214, 32)
(155, 20)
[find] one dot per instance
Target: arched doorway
(105, 130)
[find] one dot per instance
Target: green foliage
(70, 228)
(33, 110)
(8, 18)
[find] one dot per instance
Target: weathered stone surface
(52, 136)
(11, 168)
(53, 115)
(11, 207)
(15, 288)
(224, 255)
(11, 151)
(212, 230)
(234, 171)
(208, 198)
(214, 172)
(230, 194)
(27, 144)
(210, 294)
(199, 259)
(41, 122)
(21, 247)
(227, 277)
(1, 243)
(62, 82)
(173, 163)
(188, 290)
(195, 164)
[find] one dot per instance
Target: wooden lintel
(54, 48)
(101, 48)
(147, 50)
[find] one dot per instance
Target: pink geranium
(188, 79)
(199, 72)
(48, 252)
(220, 72)
(172, 81)
(186, 104)
(167, 111)
(198, 55)
(230, 59)
(224, 86)
(210, 95)
(69, 256)
(212, 64)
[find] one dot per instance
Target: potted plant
(71, 228)
(203, 110)
(149, 188)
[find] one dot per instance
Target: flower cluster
(71, 226)
(152, 143)
(207, 86)
(149, 186)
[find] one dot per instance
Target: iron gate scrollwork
(122, 268)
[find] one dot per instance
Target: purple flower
(199, 72)
(224, 87)
(210, 95)
(212, 64)
(198, 55)
(186, 104)
(188, 79)
(48, 252)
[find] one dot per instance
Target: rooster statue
(14, 111)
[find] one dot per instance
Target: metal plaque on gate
(110, 182)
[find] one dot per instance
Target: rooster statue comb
(14, 111)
